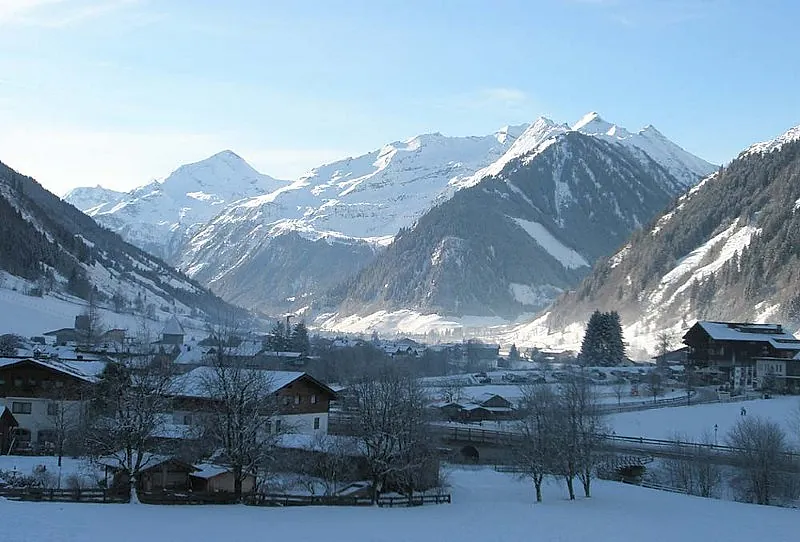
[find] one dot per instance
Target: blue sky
(117, 92)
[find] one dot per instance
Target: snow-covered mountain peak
(225, 171)
(593, 124)
(510, 132)
(792, 134)
(535, 138)
(157, 215)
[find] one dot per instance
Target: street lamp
(715, 434)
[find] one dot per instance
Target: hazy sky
(118, 92)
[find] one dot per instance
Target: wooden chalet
(732, 352)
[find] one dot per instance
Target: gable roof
(735, 331)
(193, 383)
(173, 327)
(87, 373)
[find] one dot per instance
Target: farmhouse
(303, 402)
(37, 393)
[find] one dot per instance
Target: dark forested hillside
(730, 249)
(511, 243)
(46, 240)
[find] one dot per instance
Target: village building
(36, 392)
(741, 355)
(303, 402)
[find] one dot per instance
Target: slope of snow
(693, 421)
(403, 322)
(793, 134)
(696, 265)
(684, 166)
(30, 316)
(568, 257)
(487, 506)
(539, 135)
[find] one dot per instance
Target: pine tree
(299, 341)
(276, 339)
(602, 343)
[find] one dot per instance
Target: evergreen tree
(276, 339)
(602, 344)
(299, 341)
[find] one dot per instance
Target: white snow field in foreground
(693, 421)
(487, 506)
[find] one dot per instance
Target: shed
(212, 478)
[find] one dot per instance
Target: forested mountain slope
(729, 250)
(57, 248)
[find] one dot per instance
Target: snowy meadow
(486, 506)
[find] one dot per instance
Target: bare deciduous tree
(663, 347)
(655, 384)
(540, 424)
(760, 446)
(452, 390)
(92, 320)
(390, 420)
(582, 429)
(693, 469)
(619, 387)
(708, 472)
(243, 420)
(127, 414)
(332, 461)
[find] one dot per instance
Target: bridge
(496, 446)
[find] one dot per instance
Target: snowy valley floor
(487, 507)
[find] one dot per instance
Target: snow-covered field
(487, 506)
(28, 316)
(692, 421)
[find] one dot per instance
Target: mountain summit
(160, 215)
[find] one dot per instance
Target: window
(18, 407)
(187, 419)
(52, 409)
(297, 399)
(277, 426)
(17, 382)
(2, 381)
(31, 381)
(316, 423)
(286, 400)
(59, 383)
(314, 399)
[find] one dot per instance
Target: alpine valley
(493, 226)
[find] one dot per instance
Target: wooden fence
(344, 500)
(63, 495)
(198, 498)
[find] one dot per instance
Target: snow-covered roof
(208, 470)
(732, 331)
(76, 369)
(194, 383)
(173, 327)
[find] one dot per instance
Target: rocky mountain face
(59, 250)
(510, 241)
(331, 222)
(158, 217)
(729, 249)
